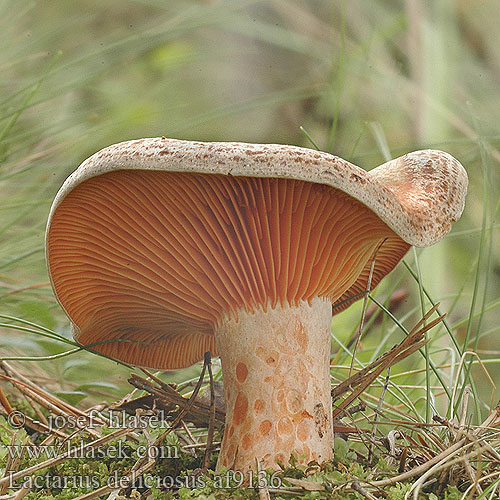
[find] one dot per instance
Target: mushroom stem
(275, 364)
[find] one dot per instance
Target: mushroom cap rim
(279, 161)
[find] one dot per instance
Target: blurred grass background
(367, 80)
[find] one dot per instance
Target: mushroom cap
(412, 200)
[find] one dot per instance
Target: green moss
(398, 491)
(177, 474)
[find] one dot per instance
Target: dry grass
(430, 455)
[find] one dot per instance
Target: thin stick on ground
(211, 422)
(364, 378)
(377, 414)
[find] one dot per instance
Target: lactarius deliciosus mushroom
(160, 250)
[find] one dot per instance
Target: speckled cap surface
(418, 195)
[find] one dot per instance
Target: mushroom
(159, 250)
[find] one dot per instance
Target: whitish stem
(275, 365)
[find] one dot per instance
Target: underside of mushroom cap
(417, 195)
(150, 243)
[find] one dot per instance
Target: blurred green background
(366, 79)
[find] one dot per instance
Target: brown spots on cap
(424, 183)
(240, 408)
(428, 168)
(165, 152)
(265, 427)
(251, 152)
(241, 372)
(358, 178)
